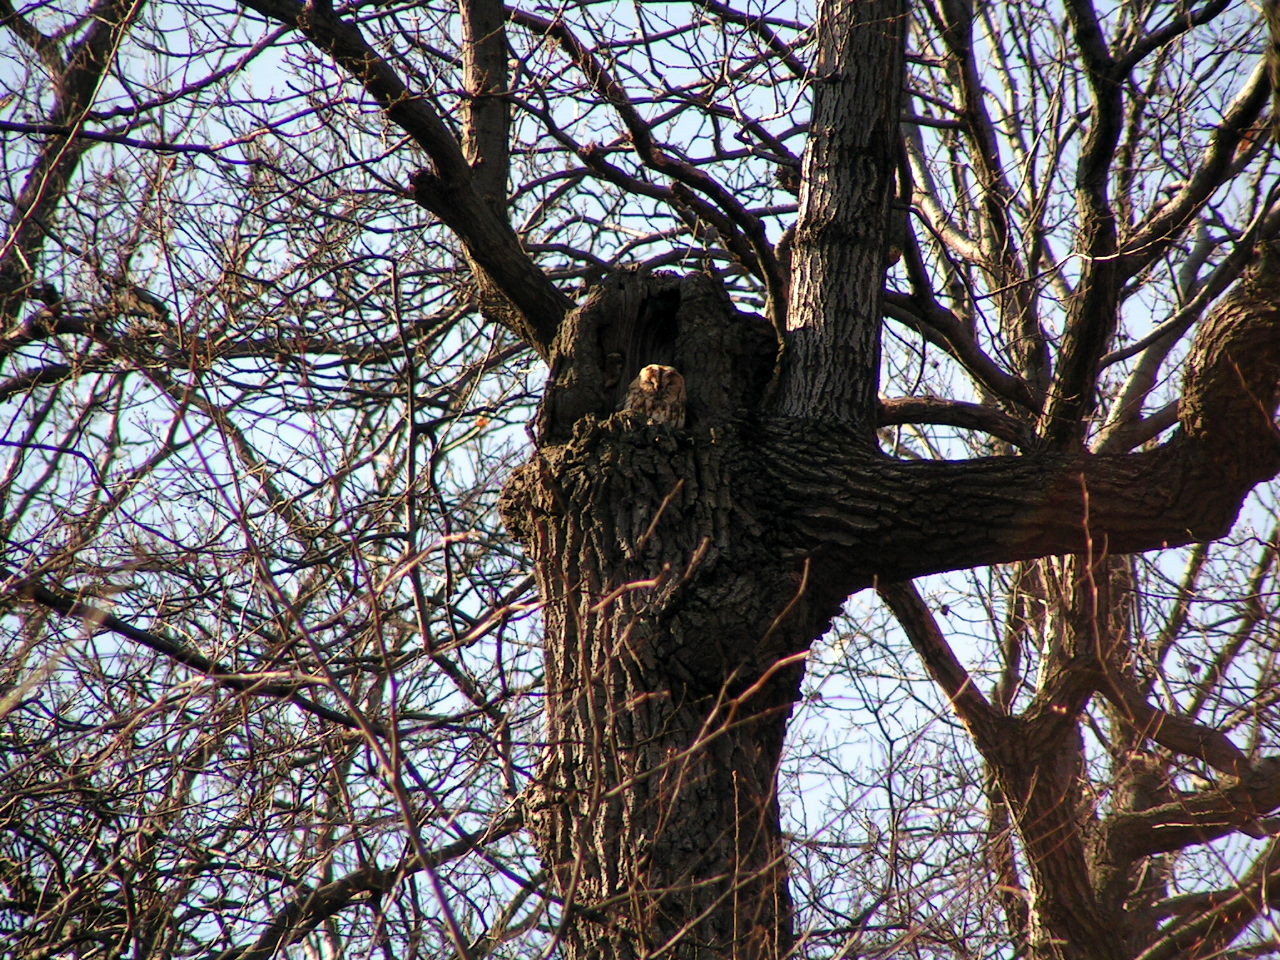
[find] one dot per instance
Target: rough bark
(669, 628)
(686, 571)
(668, 691)
(831, 363)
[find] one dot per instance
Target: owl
(657, 393)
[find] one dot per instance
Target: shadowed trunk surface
(670, 618)
(685, 572)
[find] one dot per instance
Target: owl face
(658, 394)
(657, 379)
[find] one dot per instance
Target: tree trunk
(672, 634)
(656, 807)
(685, 570)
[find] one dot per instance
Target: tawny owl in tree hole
(657, 392)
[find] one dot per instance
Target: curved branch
(367, 884)
(1174, 731)
(534, 306)
(941, 327)
(955, 413)
(1014, 293)
(1178, 25)
(759, 26)
(864, 516)
(34, 377)
(174, 650)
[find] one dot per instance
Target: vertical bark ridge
(831, 361)
(668, 686)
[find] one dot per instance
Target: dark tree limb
(76, 80)
(831, 355)
(760, 28)
(239, 681)
(486, 129)
(955, 413)
(1217, 917)
(449, 190)
(46, 47)
(1148, 43)
(1199, 817)
(1168, 222)
(1173, 731)
(486, 114)
(900, 520)
(1271, 15)
(1093, 310)
(866, 516)
(943, 329)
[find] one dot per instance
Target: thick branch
(954, 413)
(486, 115)
(1197, 818)
(830, 364)
(872, 517)
(76, 84)
(449, 190)
(900, 520)
(1093, 311)
(1174, 731)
